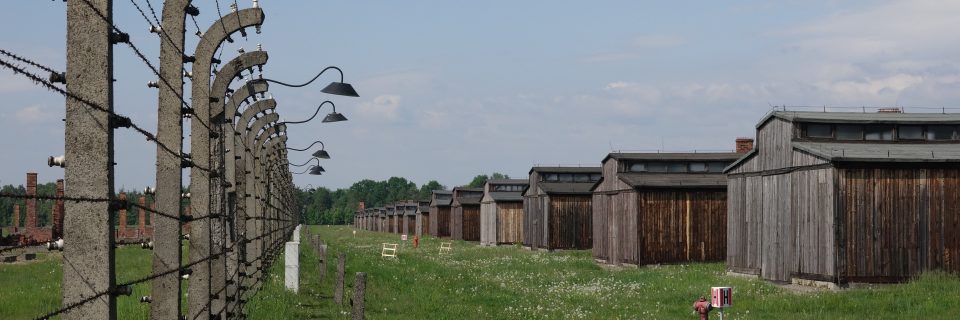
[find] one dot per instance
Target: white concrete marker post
(291, 279)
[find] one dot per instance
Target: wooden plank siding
(509, 222)
(456, 223)
(898, 222)
(471, 222)
(411, 224)
(440, 221)
(488, 223)
(681, 225)
(532, 222)
(570, 222)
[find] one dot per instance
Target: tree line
(325, 206)
(318, 205)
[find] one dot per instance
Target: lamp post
(322, 153)
(338, 88)
(331, 117)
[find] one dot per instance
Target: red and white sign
(722, 297)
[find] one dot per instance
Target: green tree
(426, 190)
(480, 180)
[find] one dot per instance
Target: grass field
(500, 283)
(511, 283)
(31, 289)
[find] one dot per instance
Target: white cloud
(895, 28)
(33, 114)
(382, 107)
(408, 82)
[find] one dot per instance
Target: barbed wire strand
(150, 136)
(27, 61)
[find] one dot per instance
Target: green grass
(31, 289)
(511, 283)
(499, 283)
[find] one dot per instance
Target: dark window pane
(581, 177)
(849, 132)
(566, 177)
(717, 166)
(940, 132)
(551, 177)
(595, 177)
(910, 132)
(878, 133)
(638, 167)
(656, 167)
(819, 131)
(677, 167)
(698, 167)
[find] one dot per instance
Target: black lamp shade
(315, 171)
(340, 89)
(320, 169)
(334, 117)
(322, 154)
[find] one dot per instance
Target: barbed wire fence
(241, 208)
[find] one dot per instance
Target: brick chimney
(142, 218)
(58, 212)
(16, 217)
(31, 222)
(744, 145)
(361, 206)
(123, 216)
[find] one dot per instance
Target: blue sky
(454, 89)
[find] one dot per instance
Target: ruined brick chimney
(361, 206)
(142, 218)
(744, 145)
(58, 212)
(123, 216)
(31, 222)
(16, 217)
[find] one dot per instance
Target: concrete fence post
(359, 295)
(291, 276)
(323, 262)
(88, 256)
(199, 290)
(338, 291)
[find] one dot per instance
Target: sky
(452, 89)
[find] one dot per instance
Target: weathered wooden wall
(471, 222)
(509, 222)
(411, 224)
(443, 222)
(680, 226)
(601, 227)
(570, 221)
(423, 223)
(898, 222)
(533, 225)
(488, 223)
(813, 218)
(456, 223)
(434, 214)
(743, 225)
